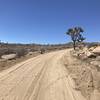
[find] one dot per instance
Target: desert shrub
(9, 51)
(21, 52)
(4, 51)
(42, 50)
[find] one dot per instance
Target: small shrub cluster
(19, 51)
(42, 51)
(4, 51)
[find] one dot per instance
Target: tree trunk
(74, 45)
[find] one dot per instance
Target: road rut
(40, 78)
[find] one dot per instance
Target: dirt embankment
(82, 76)
(85, 75)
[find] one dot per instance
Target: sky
(46, 21)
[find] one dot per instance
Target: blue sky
(46, 21)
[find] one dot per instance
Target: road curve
(41, 78)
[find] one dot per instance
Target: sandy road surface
(41, 78)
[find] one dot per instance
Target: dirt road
(41, 78)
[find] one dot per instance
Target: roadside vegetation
(76, 36)
(10, 54)
(85, 67)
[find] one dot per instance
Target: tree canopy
(76, 35)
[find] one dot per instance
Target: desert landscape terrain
(49, 50)
(56, 75)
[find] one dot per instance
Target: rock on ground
(9, 56)
(97, 50)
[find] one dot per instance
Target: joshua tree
(76, 35)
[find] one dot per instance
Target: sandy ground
(40, 78)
